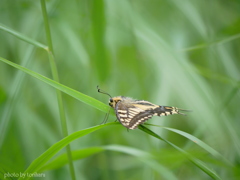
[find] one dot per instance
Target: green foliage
(177, 53)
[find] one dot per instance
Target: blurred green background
(177, 53)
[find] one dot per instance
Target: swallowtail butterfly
(131, 113)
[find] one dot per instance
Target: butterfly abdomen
(166, 110)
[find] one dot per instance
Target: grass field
(54, 54)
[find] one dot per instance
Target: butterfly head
(113, 101)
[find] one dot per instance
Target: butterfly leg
(106, 117)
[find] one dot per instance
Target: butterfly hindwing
(122, 112)
(131, 115)
(140, 117)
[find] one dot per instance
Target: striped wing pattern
(134, 114)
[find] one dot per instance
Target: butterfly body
(131, 113)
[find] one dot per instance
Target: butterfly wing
(133, 114)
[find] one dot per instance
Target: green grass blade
(39, 162)
(214, 43)
(195, 161)
(198, 142)
(80, 96)
(15, 88)
(86, 152)
(144, 157)
(56, 78)
(76, 155)
(22, 37)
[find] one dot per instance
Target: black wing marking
(168, 110)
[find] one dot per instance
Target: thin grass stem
(59, 94)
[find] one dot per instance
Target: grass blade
(22, 37)
(144, 157)
(198, 142)
(76, 155)
(80, 96)
(195, 161)
(58, 93)
(39, 162)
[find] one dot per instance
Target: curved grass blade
(195, 161)
(144, 157)
(80, 96)
(198, 142)
(86, 152)
(76, 155)
(39, 162)
(22, 37)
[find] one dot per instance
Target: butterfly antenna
(100, 91)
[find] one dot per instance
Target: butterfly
(131, 113)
